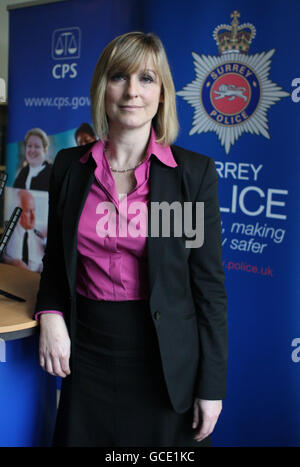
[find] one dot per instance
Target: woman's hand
(207, 413)
(54, 345)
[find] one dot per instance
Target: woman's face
(35, 152)
(131, 100)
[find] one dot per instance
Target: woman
(143, 316)
(36, 174)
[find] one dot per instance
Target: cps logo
(66, 45)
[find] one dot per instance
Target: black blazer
(187, 295)
(40, 182)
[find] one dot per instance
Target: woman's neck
(127, 148)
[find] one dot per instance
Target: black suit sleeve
(53, 291)
(207, 282)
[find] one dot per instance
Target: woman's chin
(131, 125)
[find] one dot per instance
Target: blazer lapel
(165, 183)
(81, 179)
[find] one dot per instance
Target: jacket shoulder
(188, 158)
(21, 177)
(198, 170)
(65, 157)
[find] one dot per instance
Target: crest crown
(234, 37)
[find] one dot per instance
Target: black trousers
(116, 394)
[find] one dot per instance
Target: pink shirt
(112, 230)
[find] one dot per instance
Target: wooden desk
(16, 317)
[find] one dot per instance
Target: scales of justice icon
(66, 44)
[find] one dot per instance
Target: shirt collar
(163, 153)
(21, 229)
(35, 170)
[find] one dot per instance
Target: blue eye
(117, 77)
(146, 78)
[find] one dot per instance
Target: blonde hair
(126, 53)
(37, 132)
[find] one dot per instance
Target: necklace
(124, 170)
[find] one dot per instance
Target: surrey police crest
(232, 92)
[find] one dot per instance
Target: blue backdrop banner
(235, 67)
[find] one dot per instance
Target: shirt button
(156, 315)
